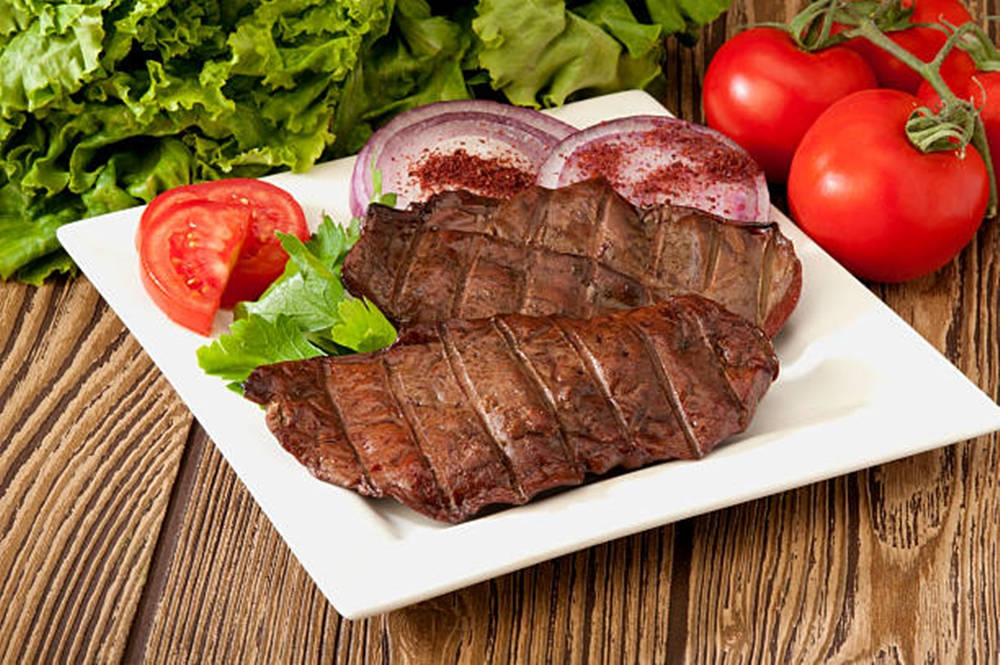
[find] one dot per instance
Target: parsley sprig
(305, 313)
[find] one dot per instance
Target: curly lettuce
(105, 103)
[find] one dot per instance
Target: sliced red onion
(513, 137)
(652, 159)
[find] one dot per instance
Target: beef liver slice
(702, 390)
(434, 274)
(636, 387)
(306, 423)
(376, 427)
(464, 458)
(512, 406)
(495, 280)
(599, 442)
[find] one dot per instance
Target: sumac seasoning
(667, 164)
(498, 177)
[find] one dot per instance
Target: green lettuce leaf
(253, 342)
(417, 61)
(362, 327)
(616, 18)
(538, 53)
(309, 290)
(28, 228)
(106, 103)
(51, 58)
(684, 16)
(57, 262)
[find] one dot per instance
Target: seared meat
(578, 251)
(459, 415)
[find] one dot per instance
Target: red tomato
(878, 205)
(272, 209)
(187, 256)
(763, 92)
(921, 42)
(983, 88)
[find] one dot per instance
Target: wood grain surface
(124, 535)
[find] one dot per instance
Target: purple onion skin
(691, 157)
(408, 130)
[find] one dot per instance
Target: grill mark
(596, 240)
(647, 284)
(528, 369)
(525, 282)
(399, 283)
(395, 388)
(465, 383)
(463, 282)
(369, 486)
(713, 257)
(697, 320)
(597, 375)
(765, 272)
(651, 286)
(667, 386)
(661, 243)
(538, 215)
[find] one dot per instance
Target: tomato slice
(187, 255)
(262, 258)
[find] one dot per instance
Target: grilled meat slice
(463, 414)
(578, 251)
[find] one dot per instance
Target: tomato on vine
(885, 210)
(764, 91)
(923, 42)
(976, 78)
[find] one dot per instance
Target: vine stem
(931, 72)
(982, 145)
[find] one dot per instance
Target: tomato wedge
(187, 257)
(261, 259)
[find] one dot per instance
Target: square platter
(857, 387)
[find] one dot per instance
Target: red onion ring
(652, 159)
(519, 136)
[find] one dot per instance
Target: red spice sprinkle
(672, 180)
(497, 177)
(721, 161)
(715, 160)
(602, 158)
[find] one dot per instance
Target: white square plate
(858, 387)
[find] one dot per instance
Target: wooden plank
(236, 594)
(806, 576)
(899, 562)
(895, 564)
(90, 441)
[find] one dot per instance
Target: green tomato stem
(980, 48)
(983, 146)
(930, 71)
(952, 106)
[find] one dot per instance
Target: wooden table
(123, 533)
